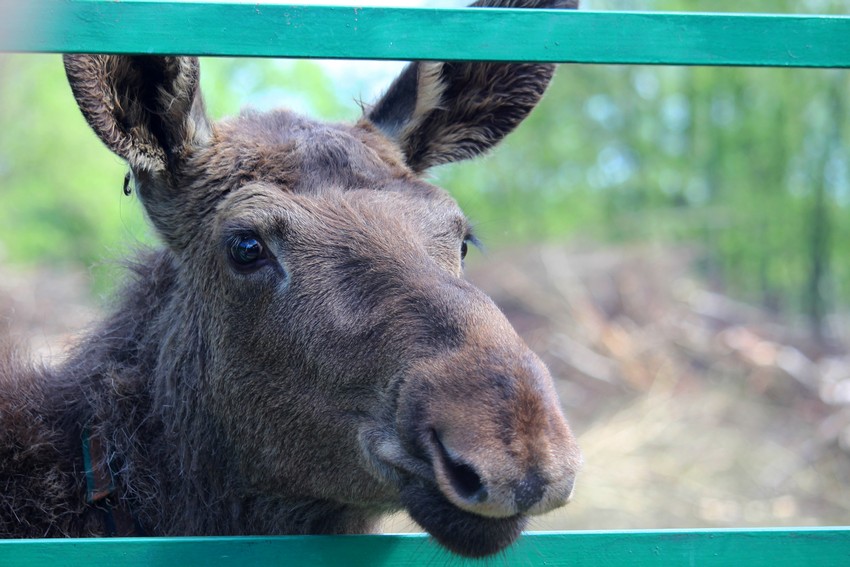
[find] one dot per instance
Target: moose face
(346, 359)
(348, 330)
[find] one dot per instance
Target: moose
(302, 355)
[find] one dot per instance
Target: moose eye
(464, 246)
(246, 252)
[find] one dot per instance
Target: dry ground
(692, 410)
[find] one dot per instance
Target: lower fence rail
(773, 547)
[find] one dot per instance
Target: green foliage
(61, 191)
(299, 85)
(750, 164)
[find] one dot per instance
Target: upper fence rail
(337, 32)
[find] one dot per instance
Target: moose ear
(445, 112)
(147, 109)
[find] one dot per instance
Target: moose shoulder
(303, 354)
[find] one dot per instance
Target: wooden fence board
(813, 547)
(274, 30)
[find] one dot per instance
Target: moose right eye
(246, 252)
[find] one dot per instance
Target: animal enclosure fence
(273, 30)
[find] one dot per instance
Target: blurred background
(673, 241)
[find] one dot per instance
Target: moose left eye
(467, 240)
(246, 252)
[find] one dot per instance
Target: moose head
(318, 358)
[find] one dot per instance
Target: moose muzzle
(489, 423)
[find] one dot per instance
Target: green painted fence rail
(828, 547)
(270, 30)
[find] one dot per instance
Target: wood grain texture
(258, 30)
(698, 548)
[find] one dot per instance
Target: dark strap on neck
(118, 521)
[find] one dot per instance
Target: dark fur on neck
(136, 386)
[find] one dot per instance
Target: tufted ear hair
(441, 112)
(148, 110)
(145, 108)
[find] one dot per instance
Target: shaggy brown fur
(303, 355)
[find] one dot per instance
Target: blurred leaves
(753, 164)
(60, 189)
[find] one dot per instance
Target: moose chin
(302, 354)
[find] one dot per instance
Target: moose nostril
(529, 490)
(463, 478)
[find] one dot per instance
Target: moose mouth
(457, 530)
(462, 532)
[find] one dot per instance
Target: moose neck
(140, 371)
